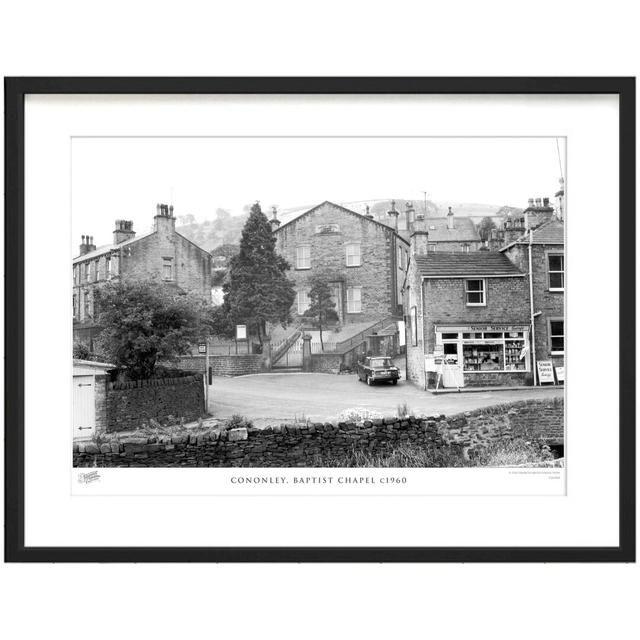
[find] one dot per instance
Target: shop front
(484, 354)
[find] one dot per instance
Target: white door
(452, 376)
(84, 409)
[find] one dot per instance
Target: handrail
(285, 346)
(359, 337)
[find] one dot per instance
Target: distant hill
(225, 229)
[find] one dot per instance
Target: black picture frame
(15, 91)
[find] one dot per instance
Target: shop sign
(483, 327)
(560, 374)
(241, 332)
(545, 372)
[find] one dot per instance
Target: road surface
(282, 397)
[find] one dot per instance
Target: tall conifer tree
(257, 290)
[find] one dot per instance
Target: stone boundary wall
(233, 365)
(308, 445)
(130, 404)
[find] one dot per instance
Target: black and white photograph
(318, 302)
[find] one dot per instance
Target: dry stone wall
(311, 445)
(130, 404)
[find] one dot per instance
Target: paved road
(274, 398)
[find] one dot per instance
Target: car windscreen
(380, 362)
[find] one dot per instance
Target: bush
(236, 421)
(357, 414)
(81, 351)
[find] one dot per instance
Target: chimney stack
(87, 245)
(450, 219)
(410, 215)
(164, 221)
(274, 222)
(392, 213)
(530, 203)
(123, 231)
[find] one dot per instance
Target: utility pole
(425, 203)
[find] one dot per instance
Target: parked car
(378, 369)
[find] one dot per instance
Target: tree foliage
(322, 308)
(485, 227)
(141, 321)
(257, 289)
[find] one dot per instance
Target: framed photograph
(207, 283)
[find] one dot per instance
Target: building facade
(545, 246)
(162, 254)
(363, 261)
(450, 233)
(467, 318)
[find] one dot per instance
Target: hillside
(226, 228)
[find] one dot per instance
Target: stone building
(162, 254)
(544, 247)
(449, 233)
(468, 316)
(363, 261)
(538, 212)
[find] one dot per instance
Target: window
(303, 302)
(556, 336)
(303, 257)
(96, 270)
(167, 269)
(475, 293)
(354, 299)
(432, 247)
(75, 305)
(414, 326)
(107, 267)
(465, 248)
(556, 271)
(353, 255)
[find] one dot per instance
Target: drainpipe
(424, 369)
(533, 326)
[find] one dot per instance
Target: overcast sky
(124, 178)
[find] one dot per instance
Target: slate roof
(106, 248)
(551, 232)
(298, 215)
(462, 265)
(464, 230)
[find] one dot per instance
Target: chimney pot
(450, 219)
(531, 202)
(545, 201)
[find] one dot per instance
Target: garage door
(84, 416)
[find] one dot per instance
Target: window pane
(449, 336)
(557, 344)
(556, 280)
(556, 263)
(475, 298)
(474, 285)
(557, 327)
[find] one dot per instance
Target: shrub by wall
(309, 444)
(129, 404)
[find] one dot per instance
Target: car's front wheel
(369, 380)
(394, 382)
